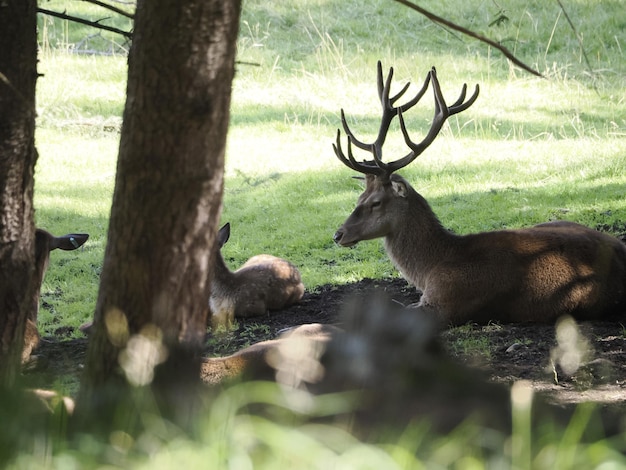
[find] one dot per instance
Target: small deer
(263, 283)
(388, 358)
(390, 366)
(533, 274)
(295, 348)
(45, 242)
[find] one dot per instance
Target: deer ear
(223, 235)
(399, 188)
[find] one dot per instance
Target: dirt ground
(506, 353)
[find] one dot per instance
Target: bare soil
(506, 353)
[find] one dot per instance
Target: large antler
(442, 112)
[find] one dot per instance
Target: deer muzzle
(340, 239)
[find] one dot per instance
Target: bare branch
(93, 24)
(437, 19)
(111, 8)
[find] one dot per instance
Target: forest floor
(505, 353)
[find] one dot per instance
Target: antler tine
(442, 112)
(339, 152)
(350, 161)
(409, 104)
(459, 106)
(379, 79)
(384, 90)
(388, 111)
(357, 142)
(398, 95)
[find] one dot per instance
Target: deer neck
(419, 243)
(222, 275)
(42, 259)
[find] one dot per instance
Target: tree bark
(155, 280)
(18, 76)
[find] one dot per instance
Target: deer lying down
(391, 362)
(263, 283)
(261, 360)
(534, 274)
(389, 355)
(44, 243)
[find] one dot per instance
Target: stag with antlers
(533, 274)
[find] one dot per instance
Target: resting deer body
(261, 360)
(534, 274)
(262, 283)
(388, 364)
(44, 243)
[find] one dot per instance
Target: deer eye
(376, 204)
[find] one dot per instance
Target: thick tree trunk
(155, 281)
(18, 75)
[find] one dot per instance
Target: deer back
(535, 274)
(279, 279)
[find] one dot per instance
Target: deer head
(381, 205)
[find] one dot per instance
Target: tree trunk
(150, 318)
(18, 75)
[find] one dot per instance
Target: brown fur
(261, 360)
(534, 274)
(263, 283)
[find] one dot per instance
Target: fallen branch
(437, 19)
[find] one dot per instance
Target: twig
(437, 19)
(243, 62)
(94, 24)
(112, 8)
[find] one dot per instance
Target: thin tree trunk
(18, 76)
(155, 279)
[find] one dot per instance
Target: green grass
(232, 437)
(529, 150)
(470, 341)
